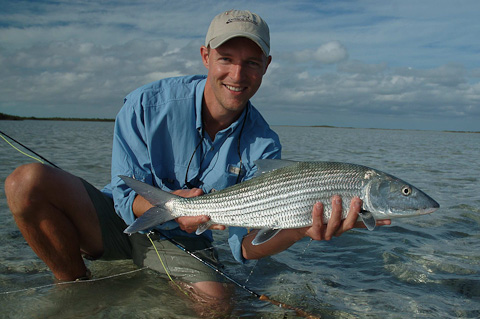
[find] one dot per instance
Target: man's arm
(187, 223)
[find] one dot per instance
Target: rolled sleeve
(235, 239)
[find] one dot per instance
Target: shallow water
(423, 267)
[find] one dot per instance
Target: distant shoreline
(8, 117)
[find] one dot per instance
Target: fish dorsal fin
(268, 165)
(264, 235)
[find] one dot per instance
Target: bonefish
(282, 196)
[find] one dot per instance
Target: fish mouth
(428, 210)
(410, 212)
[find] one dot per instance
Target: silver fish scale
(283, 198)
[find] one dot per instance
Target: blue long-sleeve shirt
(159, 139)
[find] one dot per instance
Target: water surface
(423, 267)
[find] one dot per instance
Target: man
(189, 135)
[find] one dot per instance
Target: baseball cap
(238, 23)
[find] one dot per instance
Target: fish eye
(406, 190)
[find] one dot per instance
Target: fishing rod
(27, 148)
(262, 297)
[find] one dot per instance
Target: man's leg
(56, 217)
(181, 265)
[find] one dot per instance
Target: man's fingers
(188, 192)
(352, 217)
(218, 227)
(190, 223)
(317, 229)
(383, 222)
(336, 226)
(335, 219)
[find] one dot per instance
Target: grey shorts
(138, 247)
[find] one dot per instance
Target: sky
(406, 64)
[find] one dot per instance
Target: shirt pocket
(220, 178)
(169, 180)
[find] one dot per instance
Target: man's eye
(254, 64)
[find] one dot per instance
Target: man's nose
(237, 72)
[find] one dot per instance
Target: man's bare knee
(22, 185)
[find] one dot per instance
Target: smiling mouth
(234, 88)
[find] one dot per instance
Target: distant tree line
(4, 116)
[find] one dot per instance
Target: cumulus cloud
(94, 77)
(372, 91)
(329, 53)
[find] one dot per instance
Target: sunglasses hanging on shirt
(235, 170)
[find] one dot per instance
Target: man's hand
(187, 193)
(317, 231)
(190, 223)
(335, 225)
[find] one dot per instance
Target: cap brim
(218, 41)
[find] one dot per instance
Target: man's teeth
(233, 88)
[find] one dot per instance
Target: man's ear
(204, 52)
(269, 60)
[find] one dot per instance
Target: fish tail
(156, 215)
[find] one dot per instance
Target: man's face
(235, 71)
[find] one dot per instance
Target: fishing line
(251, 271)
(2, 134)
(298, 311)
(306, 247)
(72, 282)
(165, 267)
(19, 150)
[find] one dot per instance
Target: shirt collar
(198, 104)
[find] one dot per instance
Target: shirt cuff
(235, 241)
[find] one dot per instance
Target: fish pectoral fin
(203, 227)
(368, 219)
(264, 235)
